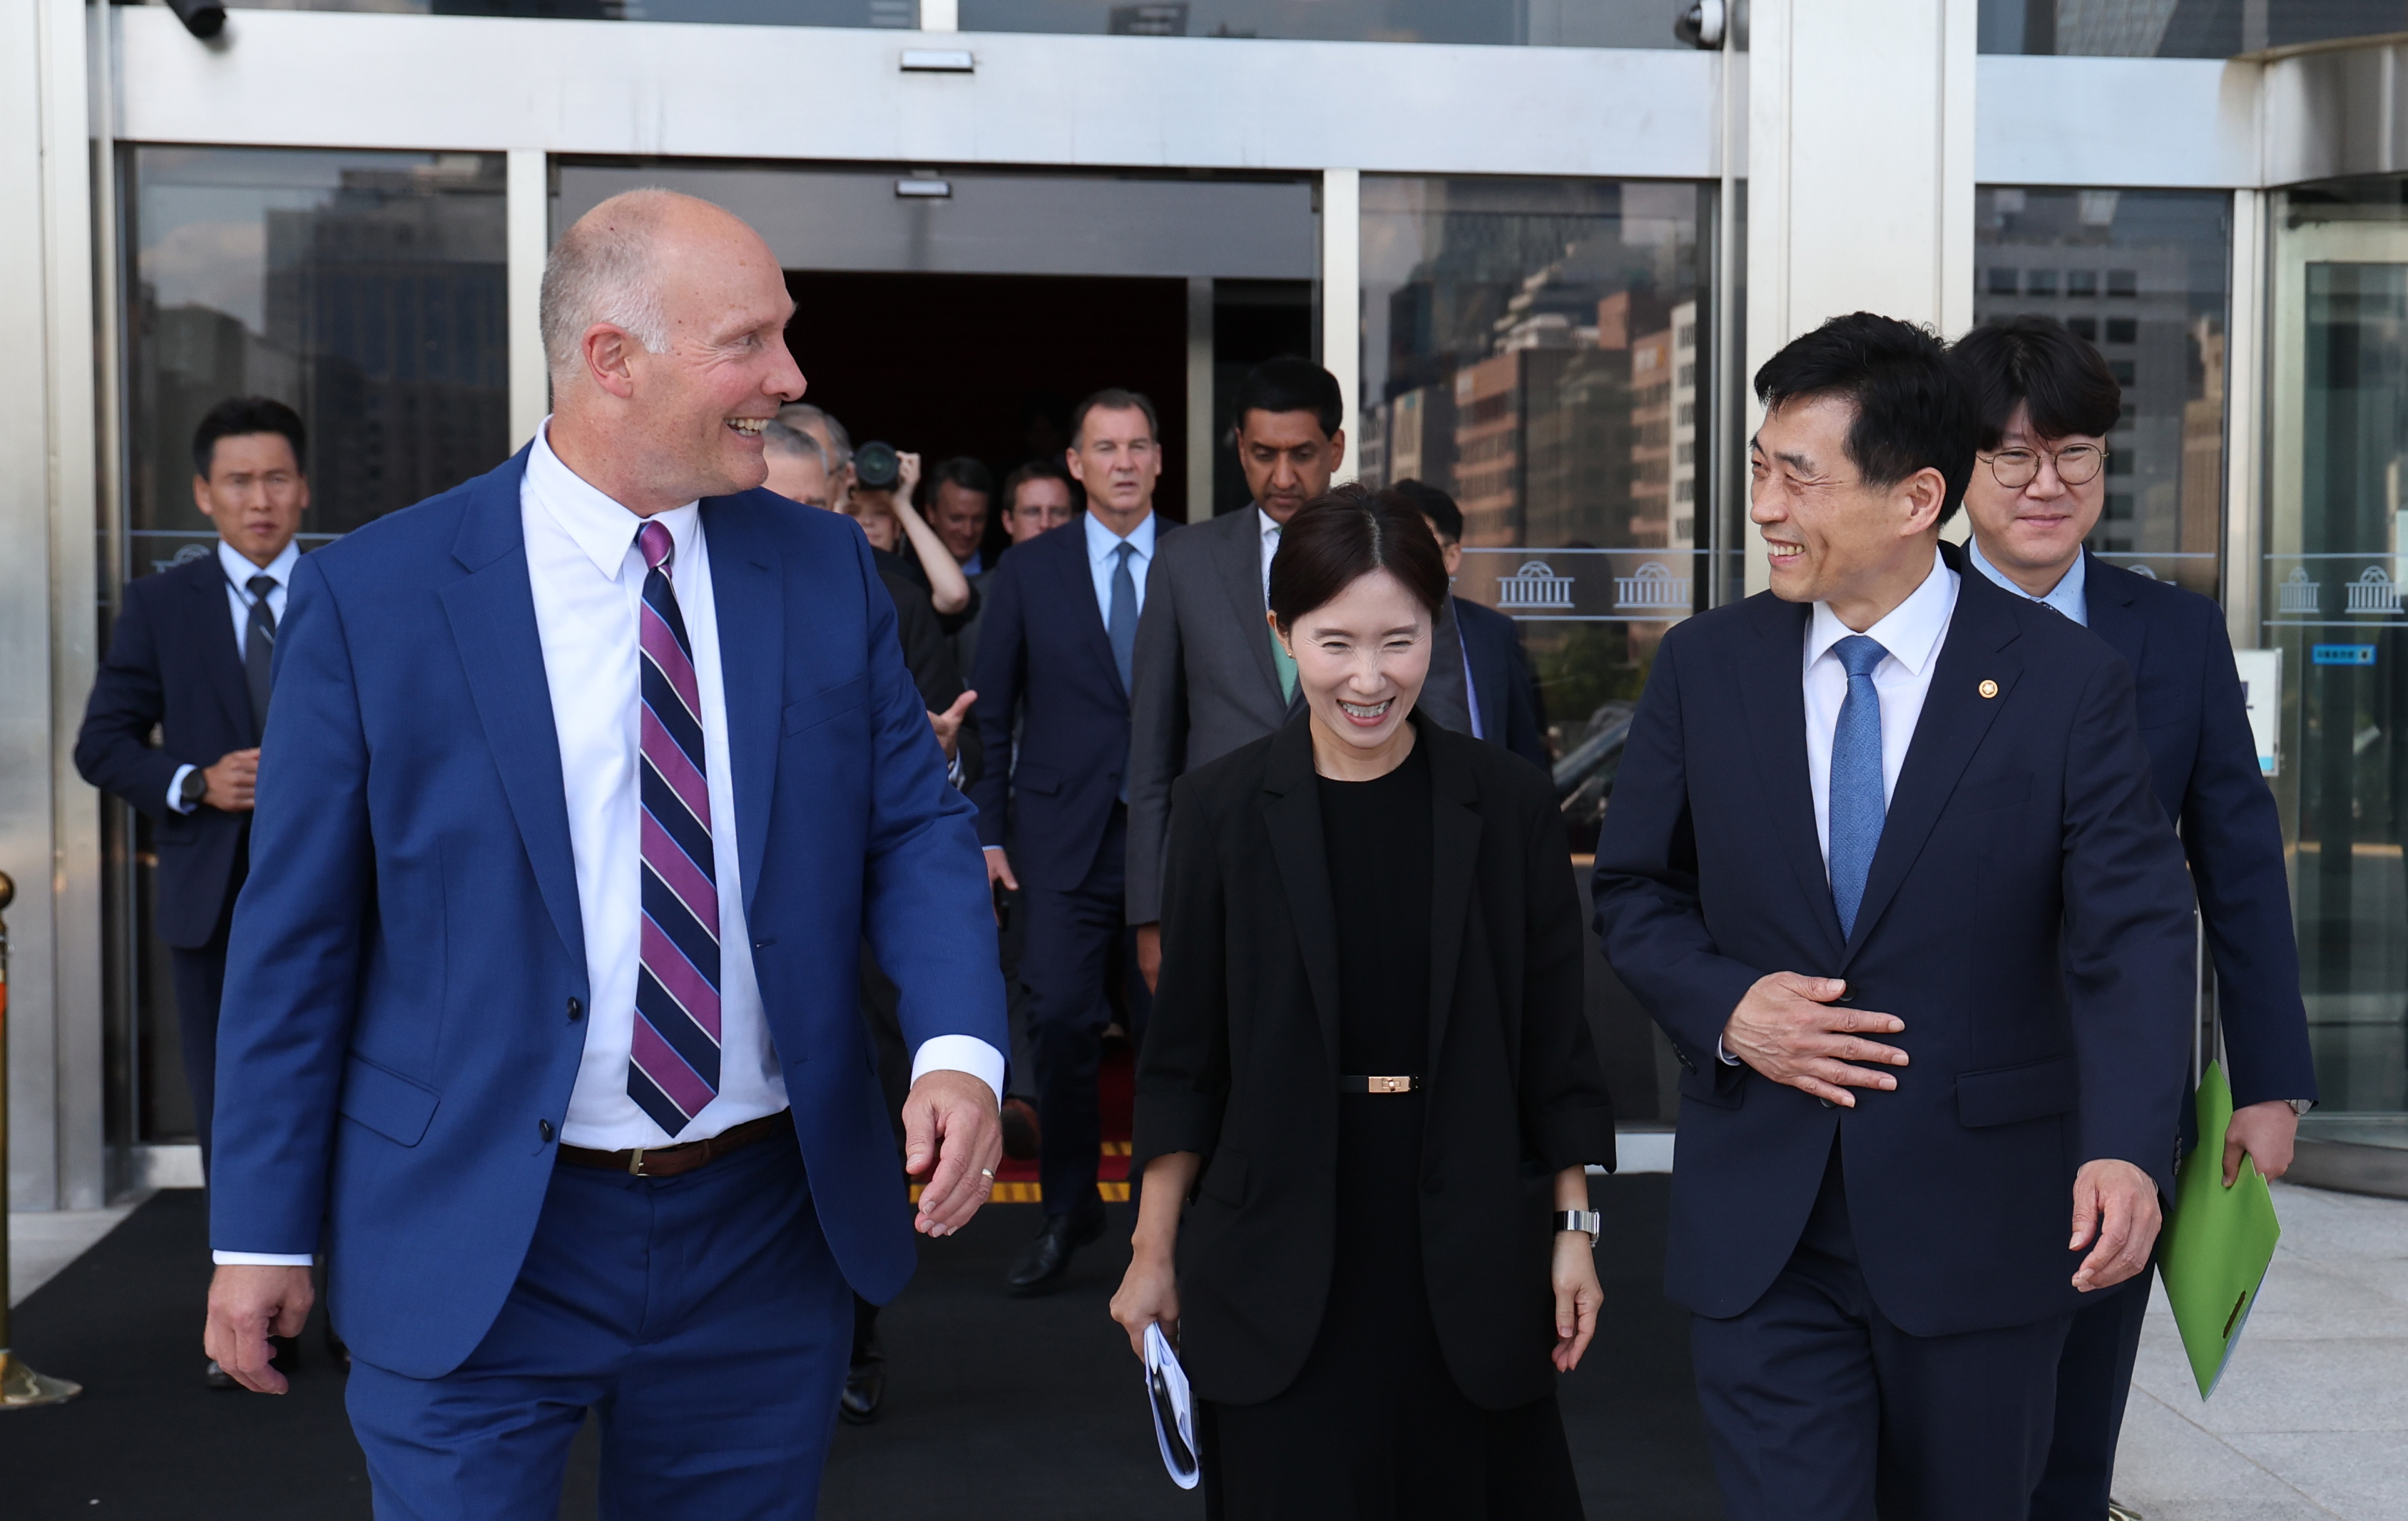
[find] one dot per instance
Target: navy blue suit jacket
(2027, 916)
(172, 664)
(2195, 726)
(1043, 653)
(398, 1043)
(1502, 684)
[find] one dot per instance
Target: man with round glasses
(2047, 403)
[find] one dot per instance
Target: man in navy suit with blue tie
(1885, 861)
(1057, 649)
(585, 784)
(2047, 404)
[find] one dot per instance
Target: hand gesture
(907, 466)
(1786, 1028)
(232, 781)
(948, 724)
(2119, 1202)
(1578, 1298)
(952, 1137)
(247, 1305)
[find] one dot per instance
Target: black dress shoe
(864, 1385)
(1046, 1261)
(1022, 1139)
(219, 1378)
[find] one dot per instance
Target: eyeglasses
(2077, 464)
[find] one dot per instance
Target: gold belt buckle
(636, 1164)
(1390, 1085)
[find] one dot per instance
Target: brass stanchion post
(21, 1386)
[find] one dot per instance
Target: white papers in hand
(1174, 1408)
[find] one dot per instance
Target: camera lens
(876, 466)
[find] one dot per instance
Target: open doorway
(991, 365)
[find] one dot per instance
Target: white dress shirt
(1103, 560)
(1913, 633)
(1268, 528)
(238, 571)
(2070, 595)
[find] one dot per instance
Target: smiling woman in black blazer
(1367, 1084)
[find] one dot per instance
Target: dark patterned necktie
(673, 1069)
(259, 649)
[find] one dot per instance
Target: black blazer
(1043, 654)
(172, 664)
(1510, 713)
(1240, 1065)
(2195, 726)
(929, 657)
(2027, 916)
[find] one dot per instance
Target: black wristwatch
(194, 787)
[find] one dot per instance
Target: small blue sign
(2341, 654)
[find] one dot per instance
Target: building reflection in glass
(1536, 348)
(2141, 275)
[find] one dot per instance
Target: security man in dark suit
(1057, 647)
(1885, 862)
(190, 657)
(1506, 707)
(2048, 402)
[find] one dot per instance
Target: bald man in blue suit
(584, 784)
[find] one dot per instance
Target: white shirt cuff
(260, 1259)
(175, 789)
(1723, 1051)
(961, 1054)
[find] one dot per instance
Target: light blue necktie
(1857, 801)
(1120, 619)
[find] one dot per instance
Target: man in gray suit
(1209, 677)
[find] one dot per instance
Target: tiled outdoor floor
(2312, 1418)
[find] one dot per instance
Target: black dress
(1374, 1428)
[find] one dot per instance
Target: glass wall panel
(366, 289)
(1538, 349)
(2178, 28)
(1570, 24)
(2142, 275)
(2337, 552)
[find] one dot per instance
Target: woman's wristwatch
(1589, 1222)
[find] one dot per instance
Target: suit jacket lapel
(1455, 837)
(1239, 557)
(227, 678)
(2108, 599)
(1294, 817)
(1956, 717)
(491, 613)
(1773, 694)
(750, 614)
(1078, 592)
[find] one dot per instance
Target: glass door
(2336, 555)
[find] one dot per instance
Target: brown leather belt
(672, 1161)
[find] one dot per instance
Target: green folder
(2217, 1245)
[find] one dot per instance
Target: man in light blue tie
(1886, 863)
(1057, 647)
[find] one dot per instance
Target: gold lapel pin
(1988, 689)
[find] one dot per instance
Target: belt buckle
(1390, 1085)
(636, 1164)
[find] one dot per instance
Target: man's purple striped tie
(674, 1068)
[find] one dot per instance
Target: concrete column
(49, 821)
(527, 216)
(1860, 170)
(1342, 296)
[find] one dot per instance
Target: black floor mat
(997, 1407)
